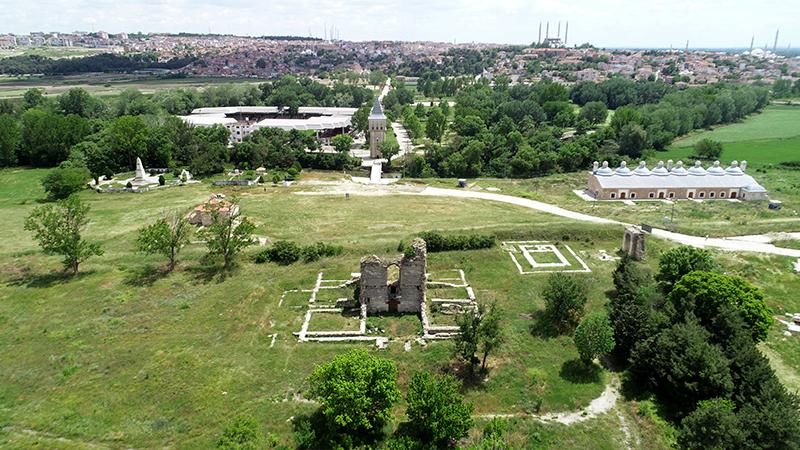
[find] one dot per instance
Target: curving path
(757, 244)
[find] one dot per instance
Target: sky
(605, 23)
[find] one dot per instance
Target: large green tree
(705, 293)
(10, 135)
(437, 412)
(713, 425)
(58, 229)
(594, 337)
(678, 261)
(435, 126)
(479, 335)
(565, 298)
(356, 390)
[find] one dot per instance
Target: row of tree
(58, 229)
(106, 62)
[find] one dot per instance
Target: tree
(434, 128)
(360, 119)
(388, 149)
(479, 333)
(242, 433)
(60, 182)
(708, 148)
(227, 236)
(713, 425)
(705, 293)
(356, 390)
(681, 366)
(678, 261)
(436, 410)
(58, 228)
(594, 338)
(76, 101)
(594, 112)
(632, 140)
(564, 299)
(342, 142)
(10, 135)
(166, 236)
(32, 98)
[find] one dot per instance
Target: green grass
(776, 122)
(122, 356)
(757, 153)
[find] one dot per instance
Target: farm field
(776, 122)
(106, 84)
(144, 360)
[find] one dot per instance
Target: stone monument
(633, 242)
(141, 177)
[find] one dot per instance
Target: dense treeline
(106, 62)
(618, 92)
(689, 337)
(103, 136)
(518, 131)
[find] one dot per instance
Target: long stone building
(674, 182)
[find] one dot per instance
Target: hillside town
(271, 57)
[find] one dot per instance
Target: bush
(61, 183)
(708, 149)
(436, 410)
(288, 252)
(242, 434)
(161, 180)
(564, 298)
(281, 252)
(437, 242)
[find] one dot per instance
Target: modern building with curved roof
(674, 182)
(326, 122)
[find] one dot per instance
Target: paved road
(757, 244)
(406, 146)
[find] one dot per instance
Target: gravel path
(757, 243)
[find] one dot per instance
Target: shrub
(281, 252)
(437, 242)
(288, 252)
(708, 148)
(161, 180)
(436, 410)
(61, 183)
(242, 434)
(564, 298)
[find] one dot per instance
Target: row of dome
(734, 169)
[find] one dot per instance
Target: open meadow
(123, 356)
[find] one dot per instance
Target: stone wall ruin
(404, 295)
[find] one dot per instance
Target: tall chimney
(540, 34)
(566, 32)
(547, 31)
(752, 40)
(559, 29)
(669, 165)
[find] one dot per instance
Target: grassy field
(776, 122)
(122, 356)
(52, 52)
(106, 84)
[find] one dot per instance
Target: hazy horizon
(605, 23)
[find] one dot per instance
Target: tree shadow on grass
(145, 276)
(209, 271)
(541, 326)
(575, 371)
(49, 279)
(471, 380)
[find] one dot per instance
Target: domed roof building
(674, 182)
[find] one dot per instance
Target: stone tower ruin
(406, 294)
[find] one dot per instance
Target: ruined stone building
(633, 242)
(394, 285)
